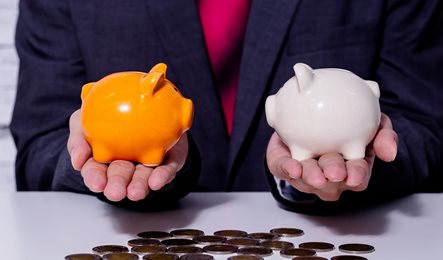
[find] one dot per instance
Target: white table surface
(51, 225)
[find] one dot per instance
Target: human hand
(330, 175)
(121, 178)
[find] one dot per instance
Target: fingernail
(72, 158)
(395, 149)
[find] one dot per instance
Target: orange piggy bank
(134, 116)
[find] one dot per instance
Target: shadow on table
(371, 221)
(182, 216)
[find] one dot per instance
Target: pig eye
(176, 90)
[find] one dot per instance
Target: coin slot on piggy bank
(320, 111)
(134, 116)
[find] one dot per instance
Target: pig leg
(300, 154)
(101, 154)
(152, 158)
(354, 151)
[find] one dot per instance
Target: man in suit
(65, 44)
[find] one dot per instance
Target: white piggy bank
(325, 110)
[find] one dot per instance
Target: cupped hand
(330, 174)
(120, 178)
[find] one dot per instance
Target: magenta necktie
(224, 26)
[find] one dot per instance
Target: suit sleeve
(409, 72)
(51, 75)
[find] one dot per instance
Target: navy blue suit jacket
(63, 44)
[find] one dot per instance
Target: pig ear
(160, 67)
(154, 79)
(303, 74)
(374, 87)
(86, 89)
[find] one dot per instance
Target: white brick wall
(8, 79)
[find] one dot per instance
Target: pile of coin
(194, 244)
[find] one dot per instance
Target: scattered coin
(177, 242)
(262, 236)
(209, 240)
(106, 249)
(143, 242)
(187, 233)
(255, 250)
(276, 244)
(291, 252)
(83, 257)
(348, 257)
(355, 248)
(150, 249)
(230, 233)
(161, 256)
(245, 257)
(287, 232)
(120, 256)
(318, 246)
(220, 249)
(243, 242)
(196, 257)
(184, 249)
(154, 234)
(309, 258)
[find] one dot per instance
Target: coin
(255, 250)
(262, 236)
(154, 234)
(245, 257)
(348, 257)
(187, 233)
(83, 257)
(177, 242)
(309, 258)
(143, 242)
(120, 256)
(209, 240)
(220, 249)
(196, 257)
(105, 249)
(230, 233)
(276, 244)
(291, 252)
(356, 248)
(148, 249)
(287, 232)
(317, 246)
(184, 249)
(161, 256)
(243, 242)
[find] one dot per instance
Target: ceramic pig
(134, 116)
(323, 111)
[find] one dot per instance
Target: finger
(78, 147)
(178, 152)
(172, 163)
(386, 141)
(119, 175)
(301, 186)
(162, 175)
(279, 160)
(330, 192)
(312, 174)
(138, 188)
(333, 166)
(358, 174)
(94, 175)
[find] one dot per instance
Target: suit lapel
(180, 33)
(267, 26)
